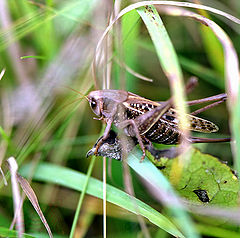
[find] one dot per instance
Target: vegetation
(52, 54)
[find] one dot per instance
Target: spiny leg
(218, 97)
(208, 107)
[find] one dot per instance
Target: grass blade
(47, 172)
(154, 177)
(90, 168)
(168, 60)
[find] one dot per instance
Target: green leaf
(5, 232)
(218, 232)
(152, 175)
(47, 172)
(204, 176)
(201, 71)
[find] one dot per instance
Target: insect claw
(143, 156)
(90, 152)
(98, 118)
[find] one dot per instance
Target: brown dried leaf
(33, 199)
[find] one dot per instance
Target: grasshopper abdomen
(161, 133)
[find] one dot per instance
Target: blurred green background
(47, 47)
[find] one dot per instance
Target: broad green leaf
(204, 179)
(152, 175)
(47, 172)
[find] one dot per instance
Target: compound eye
(93, 104)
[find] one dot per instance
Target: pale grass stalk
(13, 167)
(131, 71)
(2, 73)
(3, 176)
(104, 199)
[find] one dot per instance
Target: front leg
(109, 120)
(105, 135)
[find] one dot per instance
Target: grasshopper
(148, 121)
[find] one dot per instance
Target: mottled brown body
(144, 119)
(165, 130)
(161, 132)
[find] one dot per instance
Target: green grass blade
(170, 64)
(47, 172)
(236, 130)
(38, 21)
(4, 135)
(213, 48)
(150, 173)
(164, 48)
(168, 60)
(191, 66)
(218, 232)
(33, 57)
(90, 168)
(5, 232)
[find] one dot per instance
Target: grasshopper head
(102, 102)
(95, 103)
